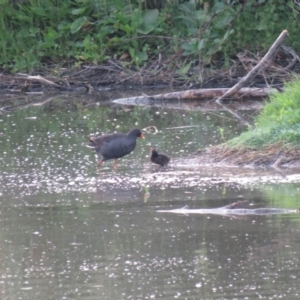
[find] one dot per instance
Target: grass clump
(278, 122)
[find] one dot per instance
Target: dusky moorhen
(160, 159)
(114, 145)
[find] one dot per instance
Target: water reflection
(68, 232)
(133, 252)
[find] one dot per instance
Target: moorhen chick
(160, 159)
(115, 145)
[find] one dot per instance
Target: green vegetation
(279, 121)
(70, 33)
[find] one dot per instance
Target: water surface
(70, 232)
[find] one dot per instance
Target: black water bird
(114, 145)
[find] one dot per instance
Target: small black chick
(160, 159)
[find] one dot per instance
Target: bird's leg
(115, 165)
(99, 163)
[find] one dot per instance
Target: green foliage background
(36, 33)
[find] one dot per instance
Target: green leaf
(149, 21)
(219, 7)
(227, 34)
(51, 34)
(184, 69)
(115, 39)
(63, 26)
(262, 26)
(150, 16)
(78, 24)
(224, 21)
(78, 11)
(202, 16)
(201, 44)
(87, 41)
(39, 11)
(187, 7)
(145, 29)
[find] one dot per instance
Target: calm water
(70, 232)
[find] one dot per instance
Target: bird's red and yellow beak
(142, 136)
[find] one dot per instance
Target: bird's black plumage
(114, 145)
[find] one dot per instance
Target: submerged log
(199, 94)
(231, 210)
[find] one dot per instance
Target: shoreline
(273, 156)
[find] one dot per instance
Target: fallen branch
(23, 106)
(260, 66)
(293, 54)
(37, 78)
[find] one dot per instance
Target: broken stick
(261, 65)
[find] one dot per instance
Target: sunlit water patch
(43, 150)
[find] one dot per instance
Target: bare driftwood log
(198, 94)
(196, 105)
(261, 65)
(37, 78)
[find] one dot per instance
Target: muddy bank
(115, 74)
(272, 156)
